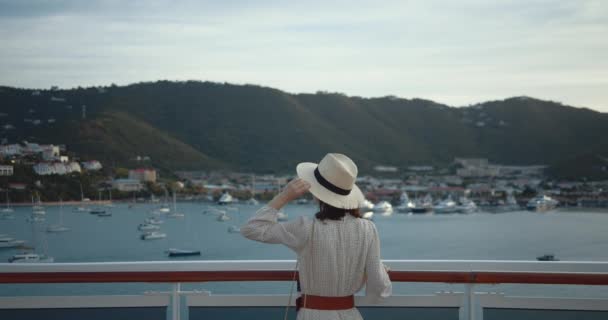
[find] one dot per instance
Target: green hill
(203, 125)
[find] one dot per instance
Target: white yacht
(367, 205)
(405, 204)
(226, 198)
(384, 208)
(30, 258)
(369, 215)
(446, 206)
(466, 205)
(252, 202)
(541, 203)
(423, 205)
(153, 235)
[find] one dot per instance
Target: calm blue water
(570, 235)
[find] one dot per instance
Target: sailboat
(37, 208)
(252, 201)
(131, 205)
(100, 211)
(8, 208)
(189, 250)
(110, 204)
(59, 227)
(165, 208)
(235, 227)
(32, 257)
(82, 207)
(175, 213)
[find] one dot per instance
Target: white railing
(470, 273)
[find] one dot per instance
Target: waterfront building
(127, 184)
(143, 174)
(6, 170)
(50, 152)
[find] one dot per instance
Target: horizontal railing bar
(285, 275)
(269, 265)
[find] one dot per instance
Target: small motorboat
(147, 227)
(153, 221)
(223, 217)
(175, 214)
(97, 211)
(30, 258)
(173, 252)
(153, 235)
(234, 229)
(547, 257)
(56, 228)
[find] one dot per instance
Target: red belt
(325, 303)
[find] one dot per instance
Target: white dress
(345, 255)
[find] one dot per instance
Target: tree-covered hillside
(203, 125)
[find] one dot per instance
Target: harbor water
(571, 235)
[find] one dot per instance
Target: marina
(571, 234)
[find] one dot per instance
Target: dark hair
(327, 211)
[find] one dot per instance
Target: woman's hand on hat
(293, 190)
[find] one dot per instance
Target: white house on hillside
(6, 170)
(92, 165)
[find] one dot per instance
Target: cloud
(456, 52)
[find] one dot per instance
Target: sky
(453, 52)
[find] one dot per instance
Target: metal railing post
(175, 301)
(468, 306)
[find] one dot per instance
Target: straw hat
(333, 180)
